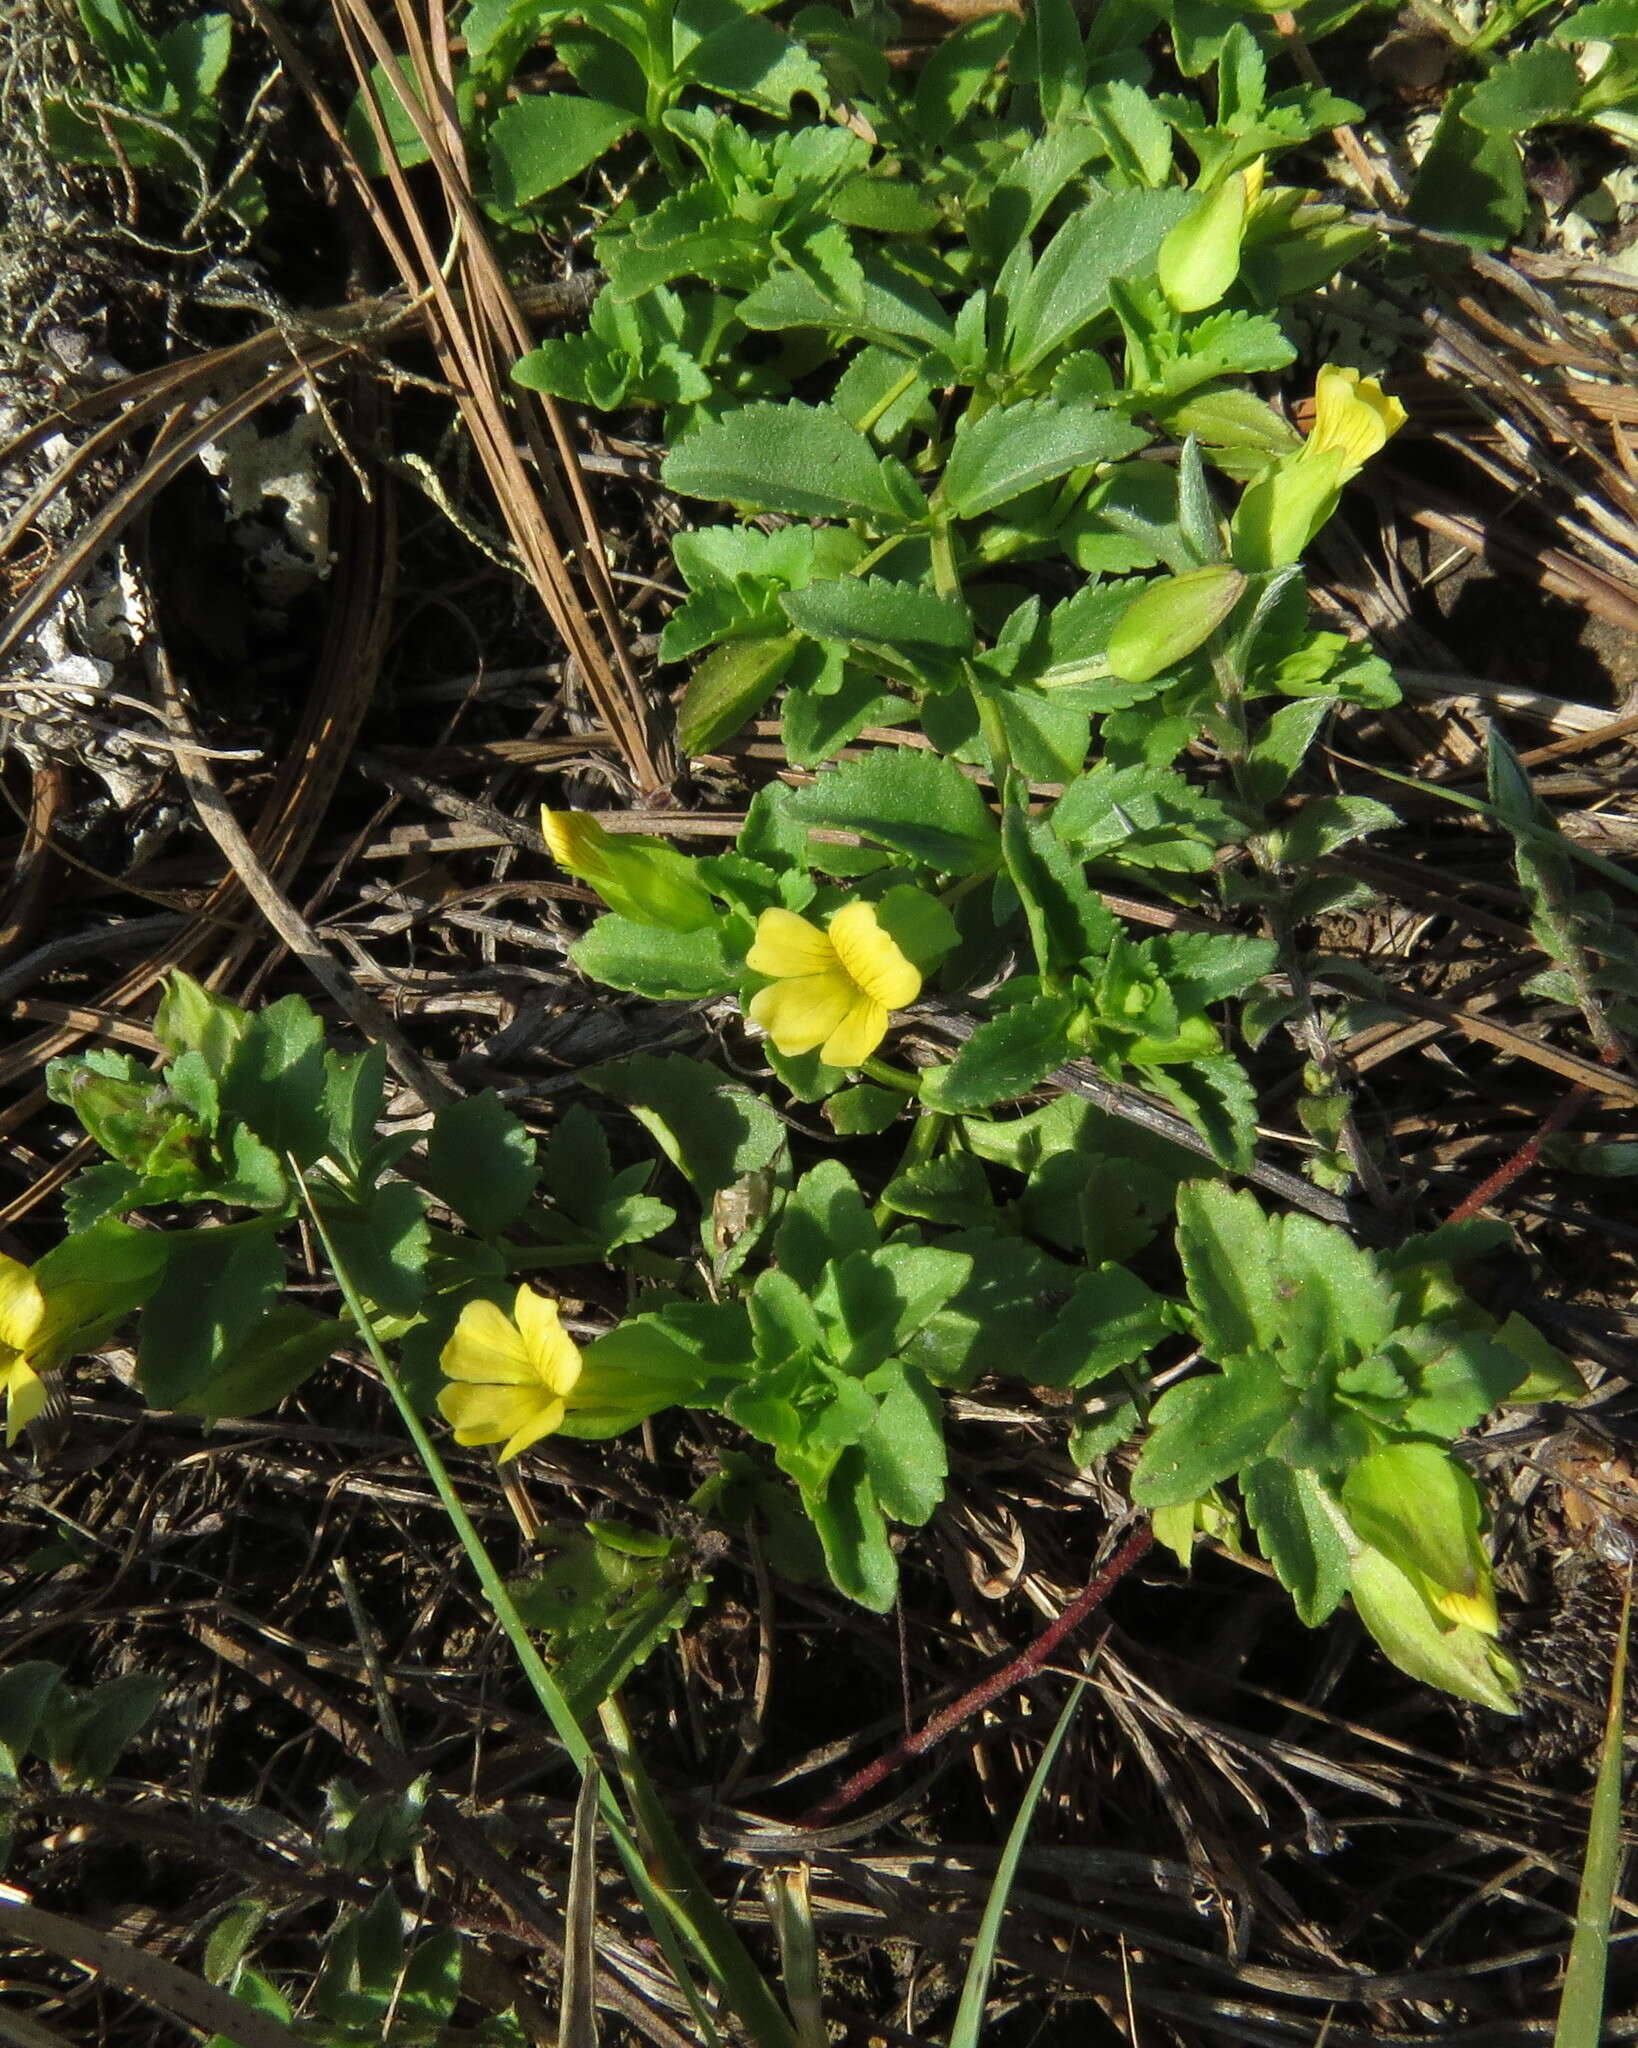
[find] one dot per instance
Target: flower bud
(1283, 510)
(1173, 617)
(1200, 257)
(638, 877)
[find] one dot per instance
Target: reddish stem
(990, 1689)
(1523, 1159)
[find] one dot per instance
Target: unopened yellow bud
(640, 878)
(1200, 257)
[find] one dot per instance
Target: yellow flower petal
(799, 1015)
(489, 1414)
(1353, 416)
(858, 1035)
(547, 1417)
(25, 1396)
(553, 1354)
(487, 1348)
(872, 959)
(22, 1305)
(786, 944)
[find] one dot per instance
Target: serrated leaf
(1012, 448)
(1111, 1320)
(1532, 87)
(481, 1163)
(217, 1285)
(1297, 1536)
(647, 960)
(275, 1079)
(804, 460)
(543, 140)
(917, 803)
(712, 1131)
(1470, 184)
(1005, 1057)
(382, 1241)
(1203, 1431)
(920, 629)
(853, 1535)
(605, 1607)
(1068, 289)
(904, 1450)
(285, 1348)
(1228, 1249)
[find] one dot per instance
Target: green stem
(892, 1077)
(726, 1961)
(887, 401)
(946, 579)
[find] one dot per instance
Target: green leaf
(1297, 1536)
(890, 309)
(382, 1241)
(1327, 823)
(1470, 184)
(544, 139)
(1228, 1248)
(1012, 448)
(354, 1096)
(1459, 1660)
(854, 1536)
(28, 1695)
(85, 1744)
(952, 1191)
(712, 1131)
(647, 960)
(1529, 89)
(1111, 1320)
(729, 686)
(91, 1282)
(195, 54)
(917, 803)
(286, 1347)
(1203, 1431)
(804, 460)
(723, 48)
(217, 1286)
(275, 1079)
(825, 1218)
(1005, 1057)
(606, 1601)
(481, 1163)
(1069, 926)
(862, 1111)
(902, 620)
(904, 1450)
(1068, 289)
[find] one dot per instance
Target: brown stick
(990, 1689)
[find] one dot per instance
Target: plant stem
(731, 1969)
(989, 1690)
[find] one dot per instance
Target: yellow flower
(636, 876)
(1282, 511)
(1354, 416)
(831, 989)
(512, 1378)
(22, 1315)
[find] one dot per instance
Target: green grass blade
(717, 1946)
(969, 2020)
(1581, 2004)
